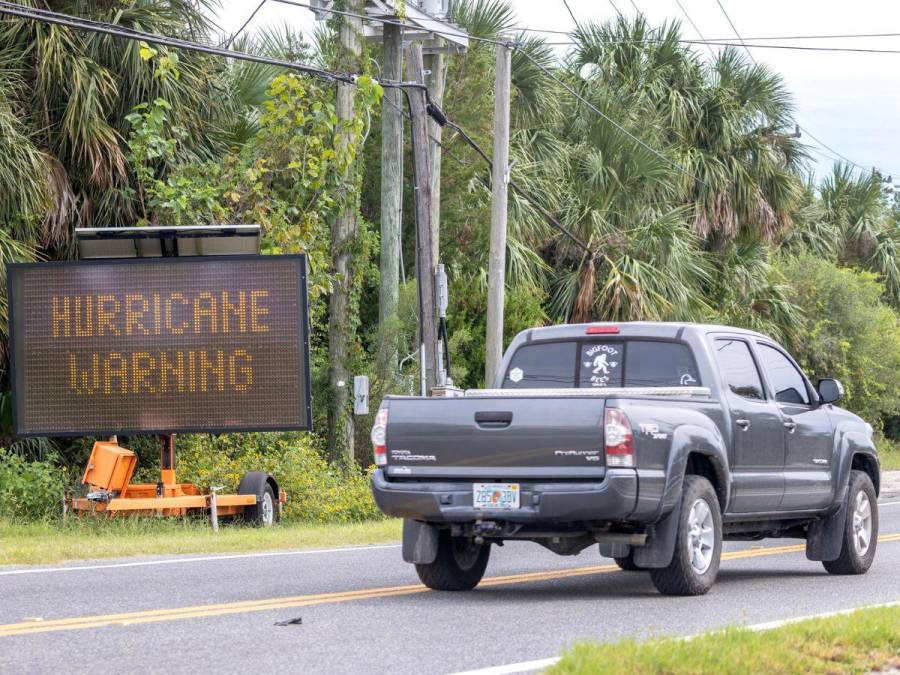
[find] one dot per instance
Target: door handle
(790, 425)
(743, 424)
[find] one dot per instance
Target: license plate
(502, 496)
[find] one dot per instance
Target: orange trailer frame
(108, 477)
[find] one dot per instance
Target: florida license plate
(503, 496)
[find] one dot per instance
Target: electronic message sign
(160, 345)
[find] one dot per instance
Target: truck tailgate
(496, 438)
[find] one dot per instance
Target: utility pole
(391, 186)
(425, 263)
(499, 184)
(435, 79)
(344, 229)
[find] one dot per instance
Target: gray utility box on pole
(361, 395)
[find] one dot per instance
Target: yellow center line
(245, 606)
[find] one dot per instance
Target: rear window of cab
(599, 364)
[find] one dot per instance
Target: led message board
(159, 345)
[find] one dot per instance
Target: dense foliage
(725, 224)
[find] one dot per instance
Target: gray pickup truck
(656, 441)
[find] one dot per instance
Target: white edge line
(523, 667)
(177, 561)
(529, 666)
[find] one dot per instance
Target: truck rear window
(601, 363)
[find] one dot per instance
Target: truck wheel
(860, 530)
(459, 565)
(265, 512)
(627, 563)
(698, 544)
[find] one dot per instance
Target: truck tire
(698, 543)
(459, 565)
(860, 529)
(627, 563)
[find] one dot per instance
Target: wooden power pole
(425, 263)
(499, 184)
(344, 229)
(436, 81)
(391, 185)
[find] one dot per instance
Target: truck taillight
(618, 437)
(379, 437)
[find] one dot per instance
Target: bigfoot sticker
(601, 365)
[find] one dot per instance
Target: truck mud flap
(825, 537)
(660, 545)
(420, 542)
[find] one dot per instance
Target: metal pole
(499, 184)
(213, 508)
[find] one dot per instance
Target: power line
(606, 117)
(734, 28)
(59, 19)
(841, 156)
(240, 30)
(851, 50)
(571, 13)
(77, 23)
(597, 110)
(694, 26)
(549, 217)
(759, 38)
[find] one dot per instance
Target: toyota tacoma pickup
(654, 441)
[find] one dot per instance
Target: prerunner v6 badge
(160, 345)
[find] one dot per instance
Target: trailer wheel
(265, 512)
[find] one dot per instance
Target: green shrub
(847, 332)
(316, 490)
(30, 489)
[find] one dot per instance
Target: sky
(846, 100)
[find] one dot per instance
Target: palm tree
(76, 90)
(865, 231)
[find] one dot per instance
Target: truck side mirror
(830, 390)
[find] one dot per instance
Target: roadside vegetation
(44, 542)
(862, 642)
(889, 453)
(96, 131)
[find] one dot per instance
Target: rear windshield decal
(601, 365)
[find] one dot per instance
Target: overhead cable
(694, 26)
(549, 73)
(240, 30)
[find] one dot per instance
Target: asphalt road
(363, 610)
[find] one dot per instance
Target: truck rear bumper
(614, 498)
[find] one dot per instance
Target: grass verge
(889, 454)
(860, 642)
(33, 543)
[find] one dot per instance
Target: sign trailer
(161, 345)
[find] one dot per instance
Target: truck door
(809, 443)
(757, 447)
